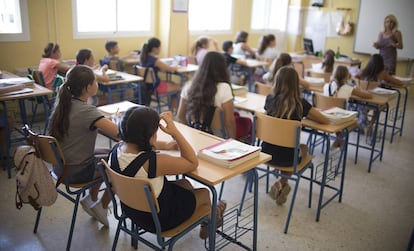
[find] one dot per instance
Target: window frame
(268, 30)
(112, 34)
(211, 32)
(25, 34)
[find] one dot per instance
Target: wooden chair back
(147, 73)
(217, 123)
(38, 77)
(325, 75)
(131, 190)
(276, 131)
(45, 148)
(325, 102)
(263, 89)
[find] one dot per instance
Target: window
(112, 18)
(269, 14)
(201, 19)
(14, 25)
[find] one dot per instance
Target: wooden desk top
(253, 102)
(37, 90)
(126, 78)
(329, 128)
(6, 74)
(376, 99)
(252, 63)
(207, 172)
(187, 69)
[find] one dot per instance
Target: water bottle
(338, 53)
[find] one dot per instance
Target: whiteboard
(371, 23)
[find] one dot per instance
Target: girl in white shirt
(210, 87)
(267, 47)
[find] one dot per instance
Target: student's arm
(61, 67)
(181, 111)
(399, 44)
(229, 120)
(163, 66)
(376, 44)
(107, 126)
(166, 145)
(357, 91)
(247, 48)
(170, 165)
(304, 83)
(241, 62)
(315, 115)
(390, 79)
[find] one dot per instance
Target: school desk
(125, 81)
(378, 103)
(331, 169)
(255, 103)
(29, 92)
(182, 72)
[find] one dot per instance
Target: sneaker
(275, 190)
(281, 199)
(100, 212)
(86, 203)
(221, 207)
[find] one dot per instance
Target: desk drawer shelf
(236, 225)
(334, 167)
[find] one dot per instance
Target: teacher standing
(388, 42)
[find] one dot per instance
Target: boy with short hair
(112, 59)
(240, 72)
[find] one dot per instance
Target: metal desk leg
(403, 111)
(345, 150)
(255, 208)
(387, 109)
(394, 124)
(325, 170)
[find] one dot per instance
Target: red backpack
(243, 128)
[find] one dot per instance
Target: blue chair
(138, 193)
(284, 133)
(50, 152)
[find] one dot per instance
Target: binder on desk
(229, 153)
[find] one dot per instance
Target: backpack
(34, 184)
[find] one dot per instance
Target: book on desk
(239, 90)
(338, 115)
(12, 86)
(382, 91)
(229, 153)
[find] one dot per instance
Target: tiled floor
(376, 212)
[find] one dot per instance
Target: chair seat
(197, 215)
(303, 164)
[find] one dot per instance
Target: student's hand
(169, 127)
(104, 68)
(376, 45)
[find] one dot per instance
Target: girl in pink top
(50, 65)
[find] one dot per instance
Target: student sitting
(374, 71)
(201, 47)
(284, 59)
(210, 88)
(241, 47)
(286, 103)
(75, 124)
(340, 87)
(178, 199)
(85, 57)
(267, 47)
(113, 61)
(149, 58)
(240, 72)
(50, 65)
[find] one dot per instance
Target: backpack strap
(136, 164)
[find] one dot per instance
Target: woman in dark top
(286, 103)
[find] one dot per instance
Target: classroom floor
(376, 212)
